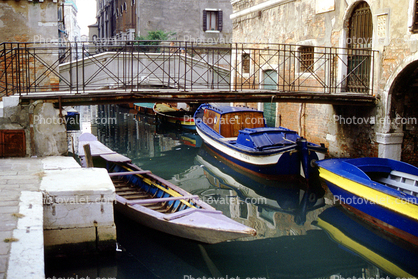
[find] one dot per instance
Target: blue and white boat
(383, 192)
(240, 135)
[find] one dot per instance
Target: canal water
(300, 233)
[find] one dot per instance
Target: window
(246, 63)
(212, 20)
(306, 58)
(414, 27)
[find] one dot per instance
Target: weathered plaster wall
(185, 17)
(50, 133)
(45, 131)
(325, 23)
(23, 21)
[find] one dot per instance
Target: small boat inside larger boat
(240, 135)
(381, 191)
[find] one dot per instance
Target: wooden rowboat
(161, 205)
(180, 118)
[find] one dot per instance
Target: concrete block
(390, 145)
(78, 208)
(77, 215)
(11, 101)
(59, 163)
(69, 236)
(93, 183)
(80, 240)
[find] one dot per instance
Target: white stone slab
(82, 182)
(59, 163)
(27, 253)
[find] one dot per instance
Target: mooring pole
(87, 153)
(304, 156)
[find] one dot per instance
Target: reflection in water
(289, 243)
(274, 208)
(394, 256)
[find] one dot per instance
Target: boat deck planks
(132, 193)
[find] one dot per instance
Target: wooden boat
(240, 135)
(145, 108)
(180, 118)
(395, 257)
(159, 204)
(381, 191)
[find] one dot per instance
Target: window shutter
(414, 27)
(220, 20)
(204, 20)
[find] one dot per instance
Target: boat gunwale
(364, 180)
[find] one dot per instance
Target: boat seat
(401, 181)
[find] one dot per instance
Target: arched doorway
(359, 43)
(403, 112)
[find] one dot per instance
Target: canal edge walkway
(21, 218)
(22, 243)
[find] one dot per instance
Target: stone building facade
(388, 129)
(29, 21)
(190, 20)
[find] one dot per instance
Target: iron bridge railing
(83, 66)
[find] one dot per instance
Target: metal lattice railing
(184, 66)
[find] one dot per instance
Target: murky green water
(294, 225)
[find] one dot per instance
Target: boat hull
(274, 163)
(199, 226)
(239, 135)
(371, 201)
(177, 118)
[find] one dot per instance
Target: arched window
(359, 42)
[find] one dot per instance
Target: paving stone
(3, 264)
(9, 203)
(8, 209)
(6, 173)
(9, 195)
(5, 247)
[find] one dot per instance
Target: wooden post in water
(87, 153)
